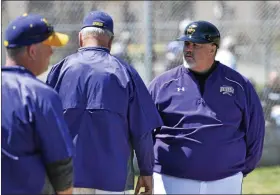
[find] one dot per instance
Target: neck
(10, 62)
(95, 43)
(13, 62)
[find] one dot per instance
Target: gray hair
(94, 31)
(13, 53)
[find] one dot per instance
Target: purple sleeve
(152, 88)
(53, 75)
(255, 130)
(53, 136)
(143, 119)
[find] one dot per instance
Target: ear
(80, 40)
(110, 42)
(31, 51)
(213, 49)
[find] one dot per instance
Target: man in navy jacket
(214, 126)
(36, 147)
(108, 109)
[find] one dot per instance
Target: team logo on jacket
(180, 89)
(227, 90)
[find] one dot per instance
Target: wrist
(146, 173)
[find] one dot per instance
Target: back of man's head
(96, 33)
(97, 30)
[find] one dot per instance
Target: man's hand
(67, 191)
(145, 182)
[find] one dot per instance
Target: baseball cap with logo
(99, 19)
(29, 29)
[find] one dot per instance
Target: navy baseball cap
(99, 19)
(29, 29)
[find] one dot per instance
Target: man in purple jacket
(109, 112)
(36, 147)
(213, 128)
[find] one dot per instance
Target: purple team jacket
(33, 131)
(109, 111)
(211, 136)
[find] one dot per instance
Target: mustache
(188, 54)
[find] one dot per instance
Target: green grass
(262, 181)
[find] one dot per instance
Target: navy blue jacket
(210, 136)
(109, 111)
(33, 131)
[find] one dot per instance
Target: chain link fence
(141, 27)
(255, 26)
